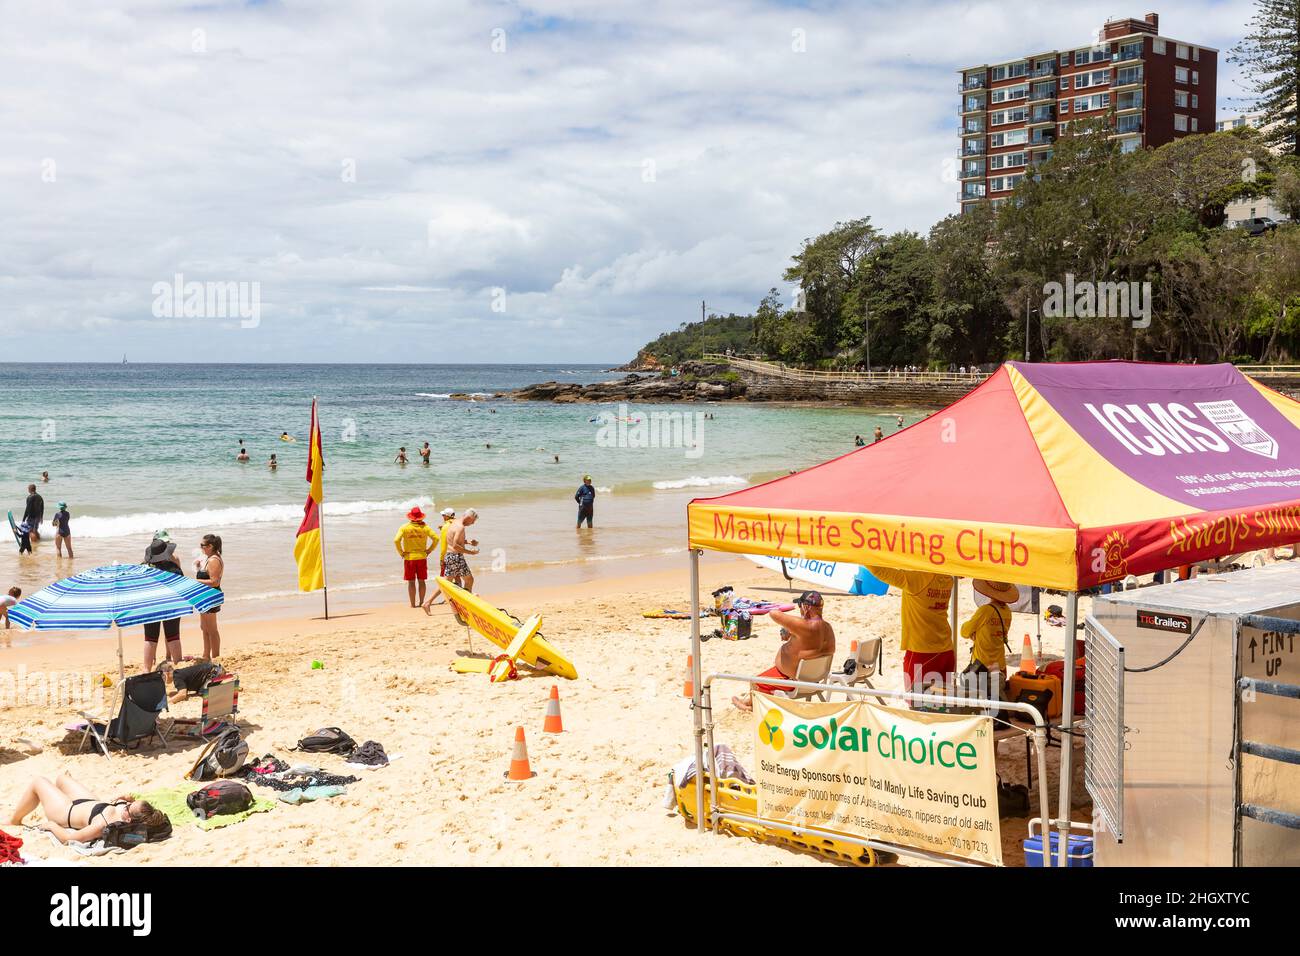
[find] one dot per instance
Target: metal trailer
(1193, 721)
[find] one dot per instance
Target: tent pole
(697, 713)
(1067, 728)
(952, 617)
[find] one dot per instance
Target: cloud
(383, 170)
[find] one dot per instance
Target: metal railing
(1270, 371)
(784, 372)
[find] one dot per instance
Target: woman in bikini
(72, 813)
(209, 569)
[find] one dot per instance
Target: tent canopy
(1062, 476)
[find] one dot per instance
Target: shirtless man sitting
(804, 636)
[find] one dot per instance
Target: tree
(1271, 55)
(825, 269)
(1286, 187)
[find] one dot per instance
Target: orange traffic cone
(553, 724)
(1027, 663)
(853, 648)
(519, 769)
(689, 689)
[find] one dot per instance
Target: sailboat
(123, 358)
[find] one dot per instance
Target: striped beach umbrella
(116, 595)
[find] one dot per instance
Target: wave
(119, 526)
(698, 482)
(433, 394)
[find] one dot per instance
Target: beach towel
(96, 848)
(670, 613)
(9, 847)
(172, 803)
(758, 607)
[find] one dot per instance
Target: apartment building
(1148, 88)
(1240, 210)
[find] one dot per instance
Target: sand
(596, 799)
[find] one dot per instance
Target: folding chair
(220, 700)
(144, 699)
(866, 665)
(813, 671)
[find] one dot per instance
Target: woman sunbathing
(72, 813)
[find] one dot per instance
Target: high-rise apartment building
(1149, 89)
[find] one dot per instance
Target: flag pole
(320, 517)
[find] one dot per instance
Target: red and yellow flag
(309, 549)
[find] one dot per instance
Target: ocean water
(132, 448)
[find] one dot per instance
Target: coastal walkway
(783, 372)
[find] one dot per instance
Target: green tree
(1271, 55)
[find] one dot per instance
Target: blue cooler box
(1079, 853)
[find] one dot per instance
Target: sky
(442, 181)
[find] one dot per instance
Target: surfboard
(499, 628)
(853, 578)
(13, 526)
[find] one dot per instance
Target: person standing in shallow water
(585, 496)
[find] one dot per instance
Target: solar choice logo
(770, 732)
(1240, 428)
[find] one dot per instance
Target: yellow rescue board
(498, 628)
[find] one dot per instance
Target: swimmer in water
(285, 436)
(273, 464)
(401, 456)
(243, 454)
(425, 452)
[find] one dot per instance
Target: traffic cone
(853, 648)
(519, 769)
(689, 689)
(553, 724)
(1027, 663)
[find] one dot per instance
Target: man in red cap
(805, 636)
(413, 541)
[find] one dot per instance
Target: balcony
(972, 126)
(1042, 140)
(1127, 129)
(974, 173)
(972, 191)
(1048, 70)
(965, 86)
(1128, 103)
(1125, 56)
(972, 105)
(973, 147)
(1044, 91)
(1125, 78)
(1042, 116)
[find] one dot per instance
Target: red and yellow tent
(1062, 476)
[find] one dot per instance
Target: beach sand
(596, 799)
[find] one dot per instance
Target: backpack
(327, 740)
(220, 796)
(127, 835)
(222, 757)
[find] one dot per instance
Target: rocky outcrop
(635, 388)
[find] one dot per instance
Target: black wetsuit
(34, 514)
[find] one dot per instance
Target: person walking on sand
(161, 554)
(210, 569)
(458, 546)
(805, 636)
(585, 496)
(448, 515)
(62, 529)
(412, 542)
(34, 512)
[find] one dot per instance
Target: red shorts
(415, 570)
(924, 667)
(768, 688)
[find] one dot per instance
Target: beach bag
(218, 797)
(127, 835)
(222, 757)
(327, 740)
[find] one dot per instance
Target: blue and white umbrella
(116, 595)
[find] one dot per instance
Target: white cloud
(379, 170)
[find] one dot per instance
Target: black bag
(1013, 799)
(327, 740)
(127, 835)
(221, 796)
(1041, 700)
(222, 757)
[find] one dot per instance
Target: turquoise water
(132, 448)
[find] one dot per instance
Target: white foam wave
(697, 482)
(119, 526)
(434, 394)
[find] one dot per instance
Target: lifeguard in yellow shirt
(928, 655)
(413, 541)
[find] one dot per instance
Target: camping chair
(144, 698)
(814, 671)
(866, 665)
(220, 700)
